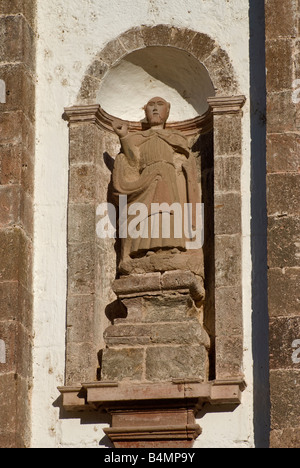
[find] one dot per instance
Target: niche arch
(199, 46)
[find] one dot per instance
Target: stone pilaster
(283, 182)
(228, 235)
(17, 105)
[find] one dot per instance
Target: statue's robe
(155, 167)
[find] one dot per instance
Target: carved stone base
(154, 427)
(162, 337)
(152, 415)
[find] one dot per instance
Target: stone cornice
(226, 105)
(95, 114)
(103, 395)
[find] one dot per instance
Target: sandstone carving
(156, 170)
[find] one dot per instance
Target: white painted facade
(70, 34)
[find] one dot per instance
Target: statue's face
(157, 111)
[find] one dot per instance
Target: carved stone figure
(155, 170)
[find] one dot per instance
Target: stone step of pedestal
(156, 363)
(181, 333)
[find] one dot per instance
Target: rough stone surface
(122, 364)
(282, 40)
(182, 362)
(162, 334)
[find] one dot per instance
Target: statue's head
(157, 111)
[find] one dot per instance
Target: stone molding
(95, 114)
(157, 283)
(146, 415)
(102, 395)
(226, 105)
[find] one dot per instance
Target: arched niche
(156, 71)
(192, 71)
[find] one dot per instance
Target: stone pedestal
(162, 338)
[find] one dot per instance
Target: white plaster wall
(70, 33)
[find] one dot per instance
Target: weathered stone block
(81, 223)
(179, 333)
(151, 334)
(229, 357)
(283, 332)
(227, 213)
(201, 46)
(112, 52)
(25, 261)
(25, 306)
(171, 308)
(179, 280)
(228, 260)
(17, 38)
(8, 397)
(9, 254)
(283, 152)
(130, 335)
(81, 272)
(283, 248)
(176, 362)
(121, 364)
(19, 90)
(279, 63)
(281, 112)
(137, 284)
(287, 12)
(228, 173)
(228, 304)
(97, 69)
(82, 139)
(81, 363)
(133, 39)
(10, 164)
(8, 300)
(14, 7)
(157, 35)
(88, 90)
(285, 388)
(8, 335)
(284, 291)
(80, 318)
(11, 127)
(283, 194)
(27, 213)
(9, 205)
(285, 439)
(221, 72)
(228, 135)
(82, 184)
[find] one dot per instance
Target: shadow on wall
(260, 323)
(156, 71)
(93, 417)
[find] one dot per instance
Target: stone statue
(154, 170)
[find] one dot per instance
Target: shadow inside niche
(115, 310)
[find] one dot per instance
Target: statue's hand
(120, 128)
